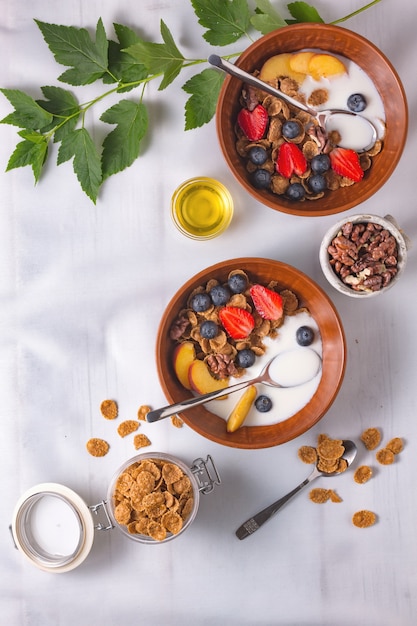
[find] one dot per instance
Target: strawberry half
(290, 160)
(253, 123)
(268, 303)
(345, 162)
(238, 323)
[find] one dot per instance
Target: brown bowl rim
(396, 111)
(334, 356)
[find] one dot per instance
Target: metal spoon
(264, 377)
(255, 522)
(323, 117)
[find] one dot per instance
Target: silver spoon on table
(255, 522)
(264, 377)
(323, 117)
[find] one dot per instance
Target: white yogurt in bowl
(301, 365)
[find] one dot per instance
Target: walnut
(222, 365)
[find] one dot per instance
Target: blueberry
(219, 295)
(237, 283)
(261, 179)
(304, 336)
(245, 358)
(317, 183)
(320, 163)
(200, 302)
(295, 192)
(257, 155)
(263, 404)
(208, 329)
(357, 102)
(290, 129)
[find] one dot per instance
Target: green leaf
(65, 108)
(122, 66)
(121, 146)
(32, 135)
(205, 89)
(303, 12)
(267, 18)
(159, 58)
(74, 48)
(28, 113)
(226, 20)
(31, 153)
(86, 164)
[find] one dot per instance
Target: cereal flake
(97, 447)
(109, 409)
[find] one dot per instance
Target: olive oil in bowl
(202, 208)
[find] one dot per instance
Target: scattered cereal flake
(177, 421)
(97, 447)
(143, 411)
(307, 454)
(127, 427)
(109, 409)
(385, 456)
(364, 519)
(319, 495)
(371, 437)
(396, 445)
(362, 474)
(334, 497)
(141, 441)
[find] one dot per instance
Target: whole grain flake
(109, 409)
(127, 427)
(97, 447)
(364, 519)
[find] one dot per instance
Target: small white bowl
(387, 222)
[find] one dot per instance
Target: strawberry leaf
(201, 106)
(121, 146)
(74, 48)
(226, 20)
(29, 152)
(86, 163)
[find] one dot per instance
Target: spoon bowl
(323, 117)
(264, 377)
(254, 523)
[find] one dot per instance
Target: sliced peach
(322, 65)
(241, 410)
(279, 65)
(299, 61)
(201, 380)
(184, 355)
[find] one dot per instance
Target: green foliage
(125, 64)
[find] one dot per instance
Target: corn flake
(362, 474)
(371, 437)
(143, 411)
(385, 456)
(141, 441)
(364, 519)
(396, 445)
(97, 447)
(127, 427)
(109, 409)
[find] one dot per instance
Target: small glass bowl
(201, 208)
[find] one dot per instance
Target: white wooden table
(83, 288)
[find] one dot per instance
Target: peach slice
(184, 355)
(241, 410)
(299, 61)
(324, 65)
(279, 65)
(202, 381)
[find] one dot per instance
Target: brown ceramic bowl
(332, 39)
(333, 344)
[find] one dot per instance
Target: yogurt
(300, 365)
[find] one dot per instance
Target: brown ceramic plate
(335, 40)
(334, 355)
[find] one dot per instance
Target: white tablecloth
(83, 288)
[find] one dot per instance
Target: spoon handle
(255, 522)
(245, 77)
(172, 409)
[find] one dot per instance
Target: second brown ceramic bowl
(367, 56)
(323, 311)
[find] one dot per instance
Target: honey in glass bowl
(202, 208)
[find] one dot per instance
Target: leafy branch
(129, 63)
